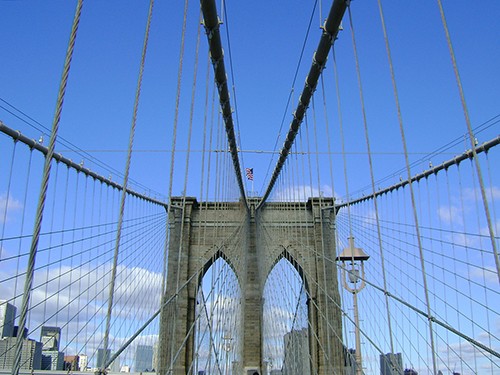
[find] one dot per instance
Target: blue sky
(265, 43)
(266, 38)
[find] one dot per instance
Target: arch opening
(218, 319)
(286, 328)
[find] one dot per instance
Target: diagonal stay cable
(330, 31)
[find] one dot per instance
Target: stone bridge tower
(302, 233)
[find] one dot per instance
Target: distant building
(391, 364)
(16, 332)
(100, 357)
(115, 365)
(71, 362)
(83, 362)
(155, 355)
(349, 361)
(7, 317)
(296, 353)
(52, 360)
(143, 358)
(410, 371)
(125, 368)
(50, 337)
(31, 354)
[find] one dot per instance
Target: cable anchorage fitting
(316, 64)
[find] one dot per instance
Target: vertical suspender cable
(125, 183)
(372, 178)
(330, 31)
(410, 185)
(43, 190)
(472, 140)
(212, 23)
(183, 215)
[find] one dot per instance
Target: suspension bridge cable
(71, 147)
(292, 89)
(43, 190)
(330, 31)
(432, 171)
(211, 24)
(231, 68)
(427, 158)
(472, 139)
(125, 182)
(17, 136)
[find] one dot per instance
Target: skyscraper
(83, 362)
(100, 357)
(297, 353)
(155, 356)
(52, 360)
(7, 316)
(50, 338)
(31, 354)
(410, 371)
(143, 358)
(391, 364)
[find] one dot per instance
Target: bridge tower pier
(304, 234)
(197, 238)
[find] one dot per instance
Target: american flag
(249, 173)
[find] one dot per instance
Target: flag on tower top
(249, 173)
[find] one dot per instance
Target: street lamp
(355, 256)
(227, 348)
(269, 365)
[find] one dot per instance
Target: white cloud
(75, 299)
(450, 214)
(299, 193)
(473, 194)
(485, 231)
(9, 206)
(488, 274)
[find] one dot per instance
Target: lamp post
(269, 365)
(356, 257)
(227, 348)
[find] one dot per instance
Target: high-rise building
(115, 365)
(297, 353)
(52, 360)
(410, 371)
(16, 332)
(50, 338)
(125, 368)
(155, 356)
(71, 362)
(31, 355)
(100, 357)
(143, 358)
(83, 362)
(391, 364)
(7, 317)
(349, 361)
